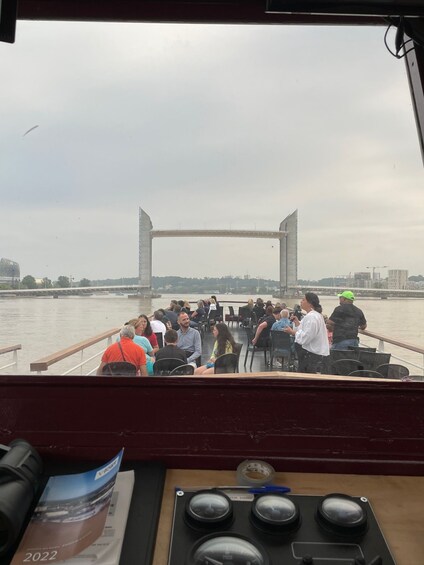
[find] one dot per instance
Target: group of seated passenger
(138, 345)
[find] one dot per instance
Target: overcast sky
(206, 127)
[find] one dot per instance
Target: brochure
(70, 515)
(106, 550)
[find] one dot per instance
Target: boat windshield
(205, 127)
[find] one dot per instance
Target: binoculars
(20, 472)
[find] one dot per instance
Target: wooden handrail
(44, 363)
(10, 348)
(393, 341)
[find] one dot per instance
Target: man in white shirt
(157, 325)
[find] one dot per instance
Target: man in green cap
(345, 321)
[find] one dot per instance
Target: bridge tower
(144, 252)
(288, 254)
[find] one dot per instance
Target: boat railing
(382, 340)
(80, 348)
(14, 350)
(46, 362)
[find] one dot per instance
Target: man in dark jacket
(345, 321)
(171, 349)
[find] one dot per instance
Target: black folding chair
(231, 317)
(119, 369)
(237, 350)
(245, 316)
(183, 370)
(336, 354)
(381, 359)
(213, 317)
(159, 336)
(280, 347)
(368, 359)
(416, 377)
(393, 371)
(164, 367)
(252, 348)
(345, 366)
(226, 363)
(366, 373)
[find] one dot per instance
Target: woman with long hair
(311, 339)
(224, 343)
(144, 328)
(143, 342)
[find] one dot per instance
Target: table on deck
(398, 503)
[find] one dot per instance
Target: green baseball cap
(347, 294)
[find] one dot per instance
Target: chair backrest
(159, 336)
(119, 368)
(280, 342)
(393, 371)
(368, 359)
(246, 316)
(381, 359)
(183, 370)
(213, 314)
(226, 363)
(244, 312)
(336, 354)
(237, 349)
(366, 373)
(165, 366)
(345, 366)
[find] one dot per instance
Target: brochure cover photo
(69, 516)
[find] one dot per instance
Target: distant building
(9, 271)
(362, 280)
(398, 279)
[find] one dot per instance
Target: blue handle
(269, 488)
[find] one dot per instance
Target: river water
(45, 325)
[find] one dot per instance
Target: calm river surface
(45, 325)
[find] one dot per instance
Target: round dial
(275, 512)
(208, 508)
(227, 549)
(342, 513)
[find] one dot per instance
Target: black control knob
(307, 560)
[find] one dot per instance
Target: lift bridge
(286, 235)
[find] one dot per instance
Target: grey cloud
(206, 127)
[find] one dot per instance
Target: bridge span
(70, 291)
(258, 234)
(295, 291)
(360, 292)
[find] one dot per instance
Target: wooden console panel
(297, 425)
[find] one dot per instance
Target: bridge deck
(258, 234)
